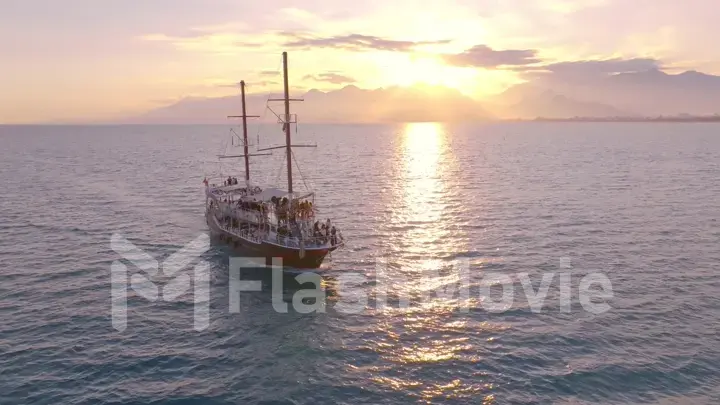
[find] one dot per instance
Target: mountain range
(349, 104)
(645, 93)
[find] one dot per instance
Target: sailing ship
(269, 222)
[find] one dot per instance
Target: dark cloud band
(357, 42)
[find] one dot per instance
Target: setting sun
(409, 69)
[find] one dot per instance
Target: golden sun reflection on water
(424, 197)
(424, 145)
(423, 237)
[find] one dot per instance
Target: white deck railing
(271, 234)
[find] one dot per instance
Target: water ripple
(511, 200)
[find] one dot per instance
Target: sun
(413, 69)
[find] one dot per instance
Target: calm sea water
(637, 203)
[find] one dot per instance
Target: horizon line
(679, 118)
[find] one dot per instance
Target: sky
(84, 60)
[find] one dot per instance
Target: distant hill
(349, 104)
(527, 102)
(200, 110)
(648, 93)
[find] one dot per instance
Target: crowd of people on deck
(233, 224)
(294, 211)
(251, 205)
(325, 231)
(321, 234)
(300, 209)
(231, 181)
(290, 214)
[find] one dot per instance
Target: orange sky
(81, 60)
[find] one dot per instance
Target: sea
(497, 263)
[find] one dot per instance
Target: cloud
(202, 39)
(529, 62)
(569, 6)
(603, 66)
(208, 43)
(162, 37)
(584, 72)
(269, 73)
(356, 42)
(261, 83)
(244, 44)
(235, 26)
(330, 77)
(570, 71)
(485, 57)
(201, 32)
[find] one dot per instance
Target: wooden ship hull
(307, 258)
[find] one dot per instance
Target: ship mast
(286, 119)
(244, 117)
(245, 137)
(286, 125)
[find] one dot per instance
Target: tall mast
(286, 126)
(286, 120)
(244, 117)
(245, 137)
